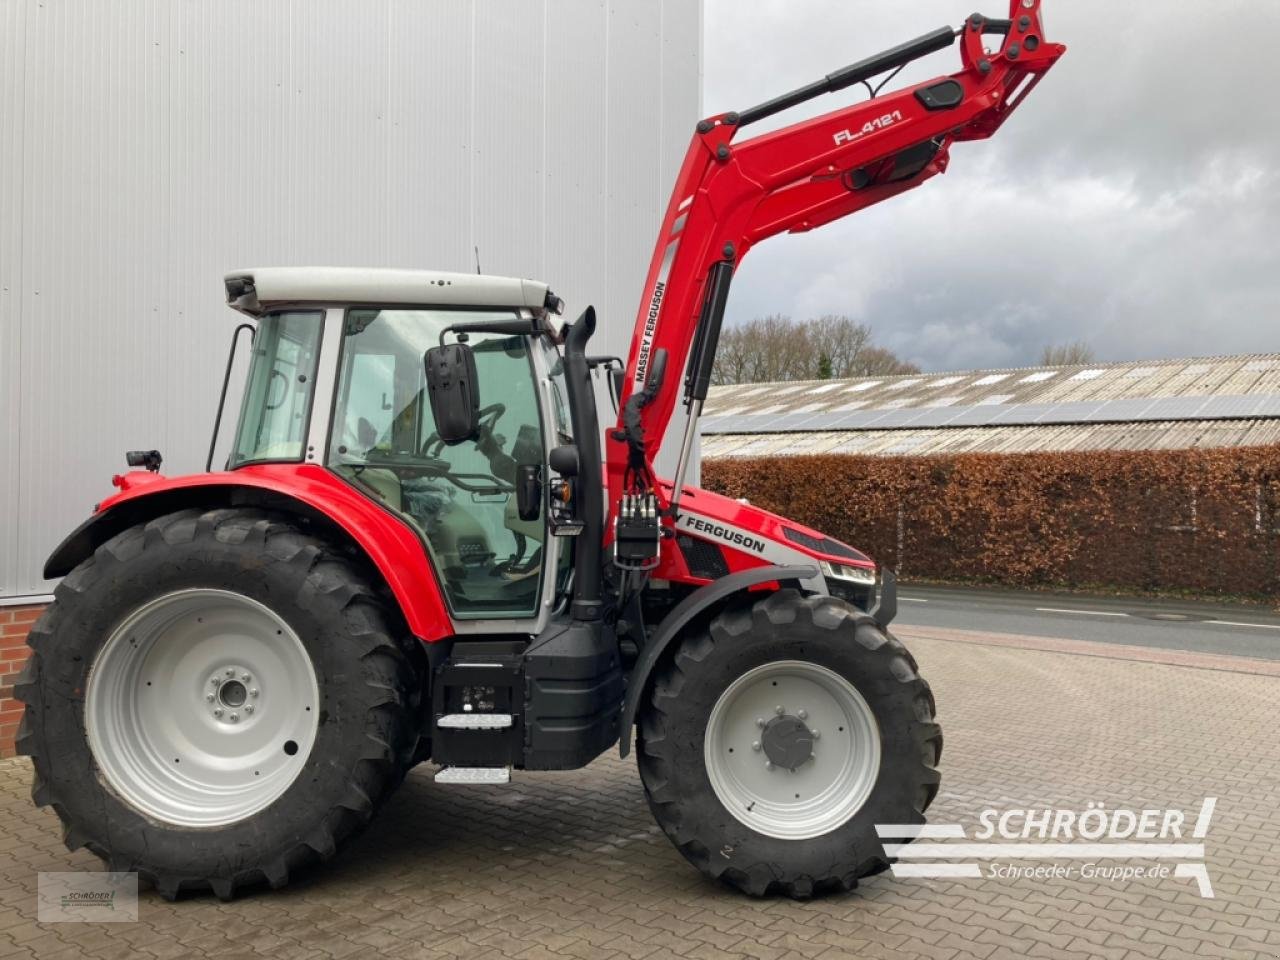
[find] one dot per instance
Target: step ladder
(475, 721)
(473, 775)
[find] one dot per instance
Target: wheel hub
(787, 742)
(232, 699)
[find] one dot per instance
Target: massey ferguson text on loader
(420, 548)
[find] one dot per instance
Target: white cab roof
(257, 291)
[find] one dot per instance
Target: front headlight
(840, 571)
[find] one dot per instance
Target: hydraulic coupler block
(637, 532)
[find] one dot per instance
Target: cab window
(277, 398)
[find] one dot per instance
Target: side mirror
(529, 491)
(454, 391)
(564, 460)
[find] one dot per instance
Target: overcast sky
(1132, 201)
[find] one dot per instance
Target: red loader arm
(728, 197)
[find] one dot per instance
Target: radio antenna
(477, 259)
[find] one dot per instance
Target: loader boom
(730, 196)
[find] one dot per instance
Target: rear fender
(307, 490)
(701, 601)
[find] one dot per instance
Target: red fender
(390, 544)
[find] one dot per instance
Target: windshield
(277, 397)
(459, 497)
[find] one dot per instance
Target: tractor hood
(747, 529)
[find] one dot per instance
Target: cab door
(491, 565)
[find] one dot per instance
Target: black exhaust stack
(587, 560)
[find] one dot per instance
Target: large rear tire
(216, 699)
(777, 736)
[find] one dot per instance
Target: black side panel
(573, 692)
(703, 557)
(701, 599)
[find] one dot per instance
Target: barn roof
(1158, 404)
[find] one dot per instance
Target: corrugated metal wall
(146, 147)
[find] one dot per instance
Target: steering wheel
(433, 445)
(493, 413)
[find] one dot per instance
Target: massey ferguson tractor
(423, 546)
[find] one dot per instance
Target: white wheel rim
(202, 708)
(824, 790)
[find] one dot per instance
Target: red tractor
(418, 550)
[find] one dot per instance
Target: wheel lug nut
(253, 692)
(217, 711)
(231, 673)
(759, 721)
(235, 717)
(778, 710)
(768, 764)
(802, 714)
(245, 677)
(213, 681)
(249, 708)
(817, 734)
(756, 746)
(209, 697)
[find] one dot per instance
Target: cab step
(475, 721)
(465, 775)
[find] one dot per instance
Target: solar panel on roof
(1226, 408)
(1131, 409)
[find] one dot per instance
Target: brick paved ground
(570, 865)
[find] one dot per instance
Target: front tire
(216, 699)
(775, 739)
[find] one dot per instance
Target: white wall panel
(148, 146)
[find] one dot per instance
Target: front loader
(423, 546)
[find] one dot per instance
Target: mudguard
(307, 489)
(675, 621)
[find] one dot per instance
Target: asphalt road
(1171, 625)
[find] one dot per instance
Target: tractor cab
(338, 377)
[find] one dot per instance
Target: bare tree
(777, 348)
(1067, 354)
(879, 362)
